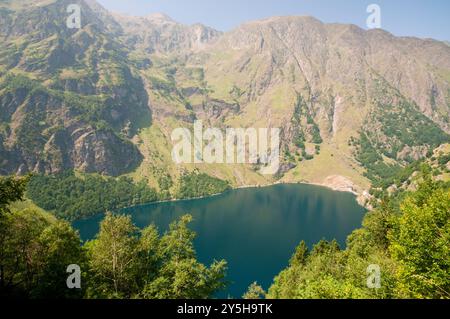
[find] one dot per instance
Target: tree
(148, 255)
(113, 258)
(20, 230)
(11, 190)
(378, 223)
(196, 184)
(186, 279)
(177, 243)
(421, 243)
(126, 262)
(328, 272)
(35, 248)
(181, 276)
(324, 247)
(35, 252)
(300, 256)
(72, 197)
(254, 292)
(60, 246)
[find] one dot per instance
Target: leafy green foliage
(320, 275)
(305, 128)
(34, 254)
(300, 256)
(444, 159)
(128, 263)
(396, 134)
(378, 171)
(421, 244)
(254, 292)
(166, 87)
(410, 244)
(405, 126)
(195, 184)
(299, 136)
(73, 197)
(398, 126)
(315, 132)
(112, 258)
(122, 262)
(14, 82)
(35, 249)
(11, 190)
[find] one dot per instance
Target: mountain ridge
(351, 103)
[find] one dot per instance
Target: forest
(196, 184)
(73, 197)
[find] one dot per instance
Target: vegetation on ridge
(73, 196)
(410, 243)
(121, 262)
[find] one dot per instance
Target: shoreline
(299, 183)
(175, 200)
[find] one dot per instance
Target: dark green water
(256, 230)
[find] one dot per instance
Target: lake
(255, 230)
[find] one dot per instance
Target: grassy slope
(154, 142)
(330, 161)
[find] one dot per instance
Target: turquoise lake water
(255, 230)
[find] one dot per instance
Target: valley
(93, 111)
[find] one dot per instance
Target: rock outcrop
(77, 98)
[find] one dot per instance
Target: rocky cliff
(69, 98)
(352, 104)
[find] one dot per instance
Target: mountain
(354, 106)
(347, 84)
(69, 97)
(158, 33)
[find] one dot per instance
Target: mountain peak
(159, 17)
(285, 19)
(23, 4)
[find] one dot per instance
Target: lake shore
(335, 187)
(238, 224)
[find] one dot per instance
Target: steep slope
(354, 106)
(70, 97)
(158, 33)
(326, 84)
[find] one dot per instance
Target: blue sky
(421, 18)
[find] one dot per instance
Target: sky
(420, 18)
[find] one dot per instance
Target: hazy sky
(422, 18)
